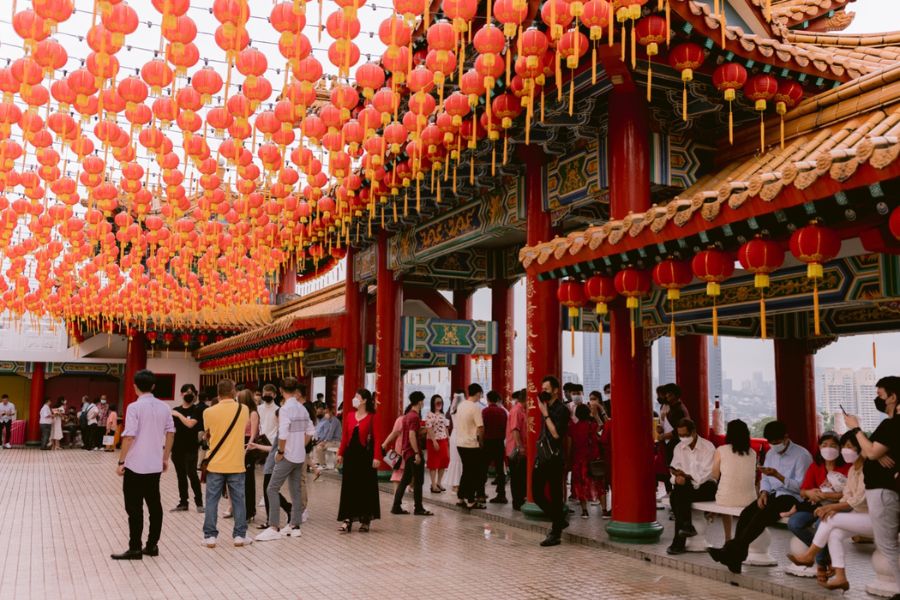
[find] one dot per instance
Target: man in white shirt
(93, 422)
(7, 416)
(46, 423)
(692, 480)
(295, 431)
(268, 412)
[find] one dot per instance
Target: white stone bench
(884, 585)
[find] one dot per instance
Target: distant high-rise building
(854, 390)
(665, 361)
(595, 366)
(864, 381)
(714, 370)
(569, 377)
(727, 386)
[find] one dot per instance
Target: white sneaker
(242, 541)
(7, 446)
(269, 535)
(210, 542)
(293, 532)
(305, 517)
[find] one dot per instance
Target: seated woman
(841, 520)
(822, 485)
(734, 465)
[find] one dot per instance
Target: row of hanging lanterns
(813, 244)
(274, 359)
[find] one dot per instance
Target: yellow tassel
(418, 196)
(730, 125)
(816, 324)
(684, 111)
(874, 355)
(672, 326)
(508, 58)
(762, 312)
(715, 316)
(768, 10)
(600, 332)
(394, 206)
(633, 47)
(668, 23)
(471, 169)
(610, 30)
(649, 78)
(572, 336)
(542, 104)
(493, 159)
(572, 93)
(631, 325)
(781, 128)
(762, 134)
(594, 64)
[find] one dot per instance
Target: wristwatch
(279, 452)
(121, 462)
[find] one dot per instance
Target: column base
(384, 475)
(33, 444)
(533, 512)
(634, 533)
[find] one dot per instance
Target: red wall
(73, 387)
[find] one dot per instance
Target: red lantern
(728, 78)
(650, 32)
(760, 88)
(815, 245)
(600, 290)
(789, 94)
(633, 284)
(570, 293)
(761, 257)
(686, 58)
(713, 266)
(672, 275)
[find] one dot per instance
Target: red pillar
(307, 382)
(542, 312)
(354, 338)
(795, 390)
(388, 302)
(35, 402)
(634, 500)
(287, 281)
(502, 311)
(691, 368)
(135, 360)
(331, 382)
(461, 372)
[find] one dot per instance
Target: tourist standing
(692, 480)
(549, 468)
(882, 453)
(438, 457)
(112, 426)
(225, 423)
(7, 416)
(146, 443)
(93, 413)
(515, 449)
(469, 428)
(360, 455)
(585, 449)
(268, 408)
(100, 427)
(56, 435)
(328, 435)
(251, 431)
(494, 418)
(734, 466)
(413, 458)
(454, 469)
(45, 419)
(188, 424)
(295, 431)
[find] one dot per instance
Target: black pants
(470, 482)
(517, 480)
(139, 488)
(45, 436)
(683, 496)
(185, 460)
(495, 452)
(547, 491)
(97, 434)
(754, 520)
(285, 505)
(414, 473)
(6, 427)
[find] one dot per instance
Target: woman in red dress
(585, 448)
(360, 455)
(438, 445)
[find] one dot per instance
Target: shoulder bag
(546, 452)
(204, 464)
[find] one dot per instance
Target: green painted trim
(634, 533)
(533, 511)
(384, 475)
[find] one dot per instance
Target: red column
(388, 302)
(287, 281)
(542, 312)
(135, 360)
(354, 338)
(502, 311)
(634, 500)
(331, 382)
(795, 390)
(691, 368)
(35, 402)
(307, 382)
(461, 372)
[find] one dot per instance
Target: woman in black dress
(360, 455)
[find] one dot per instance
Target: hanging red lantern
(713, 266)
(672, 275)
(633, 284)
(761, 88)
(651, 31)
(572, 46)
(570, 294)
(815, 245)
(686, 58)
(728, 78)
(761, 257)
(788, 96)
(600, 290)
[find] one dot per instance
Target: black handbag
(546, 451)
(257, 456)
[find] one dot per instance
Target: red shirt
(817, 474)
(411, 422)
(365, 426)
(494, 418)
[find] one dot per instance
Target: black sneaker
(688, 531)
(150, 550)
(676, 549)
(399, 511)
(499, 500)
(180, 508)
(552, 539)
(128, 555)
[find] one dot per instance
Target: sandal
(435, 490)
(364, 527)
(318, 474)
(423, 512)
(347, 526)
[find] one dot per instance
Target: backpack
(82, 418)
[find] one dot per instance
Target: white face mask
(577, 398)
(103, 401)
(356, 401)
(850, 455)
(829, 453)
(686, 440)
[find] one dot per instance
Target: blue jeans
(803, 524)
(215, 483)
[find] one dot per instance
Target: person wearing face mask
(100, 426)
(840, 520)
(360, 456)
(779, 491)
(267, 409)
(328, 434)
(188, 423)
(823, 484)
(692, 480)
(882, 454)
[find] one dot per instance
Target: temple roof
(794, 13)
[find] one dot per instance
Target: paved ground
(61, 515)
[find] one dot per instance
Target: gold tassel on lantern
(761, 282)
(874, 355)
(632, 303)
(815, 272)
(781, 109)
(713, 289)
(672, 294)
(573, 314)
(601, 312)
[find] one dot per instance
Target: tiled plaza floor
(61, 515)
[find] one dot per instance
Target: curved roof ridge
(845, 40)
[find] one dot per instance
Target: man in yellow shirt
(225, 425)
